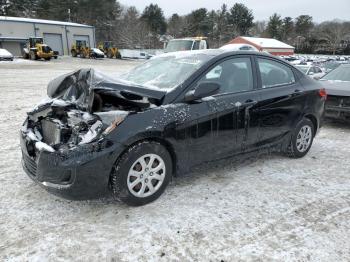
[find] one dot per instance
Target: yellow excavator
(36, 49)
(109, 50)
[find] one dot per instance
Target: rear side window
(274, 73)
(233, 75)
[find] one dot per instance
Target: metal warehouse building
(60, 36)
(270, 45)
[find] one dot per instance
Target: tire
(25, 55)
(74, 53)
(109, 54)
(33, 56)
(128, 170)
(302, 139)
(48, 58)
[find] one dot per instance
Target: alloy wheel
(146, 175)
(304, 138)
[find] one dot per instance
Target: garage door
(82, 38)
(13, 47)
(54, 41)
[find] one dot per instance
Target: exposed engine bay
(82, 107)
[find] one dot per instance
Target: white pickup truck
(186, 44)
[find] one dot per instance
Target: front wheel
(141, 174)
(302, 139)
(33, 56)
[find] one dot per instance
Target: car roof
(218, 52)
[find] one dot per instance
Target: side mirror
(204, 89)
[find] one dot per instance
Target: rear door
(282, 99)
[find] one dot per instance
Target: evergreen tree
(241, 18)
(274, 26)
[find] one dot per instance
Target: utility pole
(69, 15)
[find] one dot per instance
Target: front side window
(274, 73)
(233, 75)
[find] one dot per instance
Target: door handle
(297, 91)
(250, 102)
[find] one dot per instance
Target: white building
(60, 36)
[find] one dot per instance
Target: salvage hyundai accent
(97, 135)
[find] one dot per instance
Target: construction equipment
(36, 49)
(109, 50)
(81, 49)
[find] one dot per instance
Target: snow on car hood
(97, 51)
(5, 53)
(78, 87)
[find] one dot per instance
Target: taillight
(322, 93)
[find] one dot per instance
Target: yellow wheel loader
(109, 50)
(36, 49)
(80, 49)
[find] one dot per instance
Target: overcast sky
(320, 10)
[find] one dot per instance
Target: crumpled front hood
(78, 87)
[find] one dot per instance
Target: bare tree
(334, 33)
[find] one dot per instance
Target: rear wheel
(141, 174)
(33, 56)
(302, 139)
(74, 53)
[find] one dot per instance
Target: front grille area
(29, 164)
(340, 101)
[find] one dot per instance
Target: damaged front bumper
(77, 174)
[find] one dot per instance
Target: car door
(281, 101)
(230, 122)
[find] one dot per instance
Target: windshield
(303, 68)
(179, 45)
(166, 72)
(341, 73)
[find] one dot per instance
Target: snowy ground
(267, 207)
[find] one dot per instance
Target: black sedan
(128, 136)
(337, 84)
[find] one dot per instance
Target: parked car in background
(337, 84)
(313, 71)
(186, 44)
(96, 53)
(329, 66)
(239, 47)
(5, 55)
(130, 135)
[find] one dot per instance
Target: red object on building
(270, 45)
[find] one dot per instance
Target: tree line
(129, 28)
